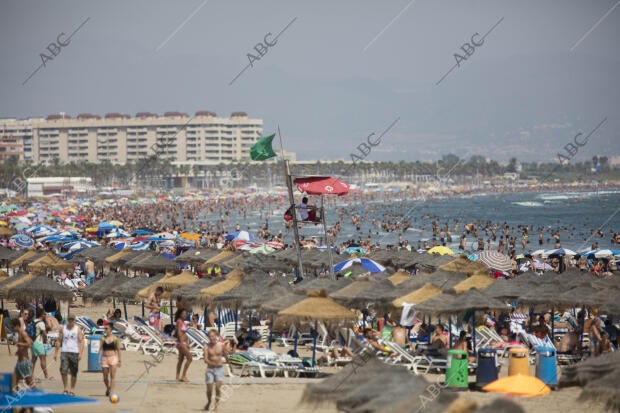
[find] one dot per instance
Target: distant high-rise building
(119, 138)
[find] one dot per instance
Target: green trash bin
(457, 371)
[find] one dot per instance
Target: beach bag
(31, 331)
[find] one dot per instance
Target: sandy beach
(145, 385)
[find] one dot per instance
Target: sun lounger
(157, 342)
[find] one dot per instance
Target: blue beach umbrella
(22, 240)
(368, 264)
(40, 398)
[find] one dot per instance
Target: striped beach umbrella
(22, 240)
(495, 260)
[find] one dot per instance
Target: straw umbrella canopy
(442, 279)
(437, 305)
(316, 308)
(11, 282)
(399, 277)
(262, 262)
(277, 304)
(390, 388)
(463, 264)
(378, 295)
(327, 284)
(197, 256)
(429, 290)
(5, 232)
(345, 294)
(50, 262)
(545, 294)
(130, 289)
(40, 287)
(598, 375)
(154, 263)
(237, 296)
(101, 290)
(513, 288)
(191, 292)
(231, 280)
(131, 257)
(169, 283)
(96, 254)
(479, 282)
(8, 255)
(383, 257)
(474, 300)
(27, 258)
(115, 258)
(276, 287)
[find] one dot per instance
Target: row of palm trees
(152, 171)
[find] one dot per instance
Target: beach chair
(289, 339)
(88, 326)
(250, 366)
(131, 340)
(323, 343)
(157, 341)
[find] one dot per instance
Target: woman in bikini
(182, 344)
(109, 357)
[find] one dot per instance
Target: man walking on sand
(89, 268)
(153, 304)
(71, 344)
(23, 368)
(213, 354)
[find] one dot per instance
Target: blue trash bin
(486, 372)
(547, 366)
(93, 353)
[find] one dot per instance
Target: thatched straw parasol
(197, 256)
(317, 307)
(191, 292)
(40, 287)
(274, 287)
(474, 300)
(344, 294)
(267, 263)
(277, 304)
(237, 296)
(115, 258)
(169, 283)
(513, 288)
(130, 289)
(479, 282)
(50, 262)
(13, 281)
(27, 258)
(102, 289)
(399, 277)
(442, 279)
(326, 284)
(437, 305)
(153, 263)
(8, 255)
(232, 280)
(600, 376)
(96, 254)
(463, 264)
(424, 293)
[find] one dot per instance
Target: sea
(575, 214)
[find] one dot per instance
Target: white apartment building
(120, 138)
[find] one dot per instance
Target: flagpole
(289, 185)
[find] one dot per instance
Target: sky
(338, 71)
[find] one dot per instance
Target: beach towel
(407, 318)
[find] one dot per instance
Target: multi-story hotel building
(119, 138)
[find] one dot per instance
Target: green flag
(262, 149)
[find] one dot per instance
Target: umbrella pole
(314, 336)
(473, 332)
(204, 317)
(171, 312)
(236, 316)
(296, 337)
(219, 320)
(529, 327)
(114, 302)
(142, 308)
(250, 321)
(270, 336)
(582, 323)
(552, 325)
(327, 241)
(125, 308)
(450, 331)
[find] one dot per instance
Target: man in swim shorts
(213, 354)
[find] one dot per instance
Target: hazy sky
(341, 71)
